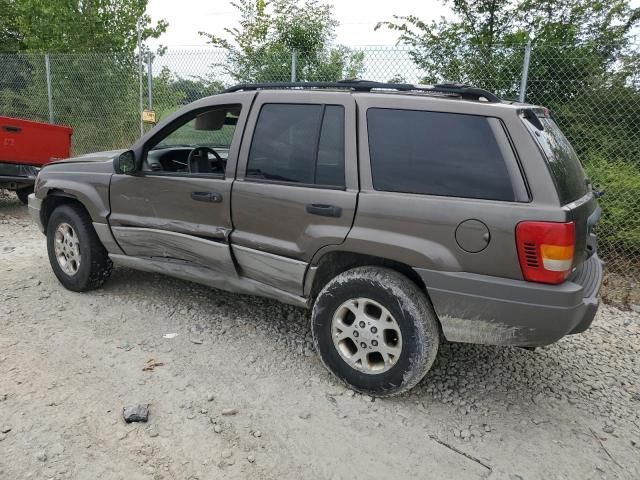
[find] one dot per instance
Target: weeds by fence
(98, 95)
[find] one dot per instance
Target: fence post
(525, 72)
(140, 76)
(150, 80)
(294, 64)
(49, 93)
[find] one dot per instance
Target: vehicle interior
(199, 146)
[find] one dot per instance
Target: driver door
(175, 206)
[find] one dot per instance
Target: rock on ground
(135, 413)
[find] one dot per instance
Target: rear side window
(330, 165)
(563, 161)
(436, 153)
(298, 143)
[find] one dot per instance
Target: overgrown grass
(619, 227)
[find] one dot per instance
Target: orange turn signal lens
(556, 252)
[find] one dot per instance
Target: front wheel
(375, 330)
(77, 257)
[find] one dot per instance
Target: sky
(357, 19)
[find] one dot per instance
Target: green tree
(94, 74)
(583, 66)
(170, 92)
(260, 48)
(9, 35)
(195, 88)
(484, 45)
(16, 72)
(75, 26)
(476, 48)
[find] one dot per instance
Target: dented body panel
(84, 178)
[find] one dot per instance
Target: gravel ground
(240, 393)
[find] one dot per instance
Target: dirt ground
(241, 394)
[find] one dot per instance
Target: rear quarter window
(562, 159)
(436, 153)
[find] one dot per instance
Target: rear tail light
(545, 250)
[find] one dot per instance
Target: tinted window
(563, 161)
(436, 153)
(289, 145)
(330, 166)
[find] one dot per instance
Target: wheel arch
(54, 199)
(333, 263)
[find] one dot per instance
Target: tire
(23, 194)
(92, 263)
(378, 292)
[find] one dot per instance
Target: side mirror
(125, 163)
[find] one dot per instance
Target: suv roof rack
(455, 89)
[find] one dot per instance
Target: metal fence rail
(100, 97)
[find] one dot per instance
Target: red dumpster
(24, 147)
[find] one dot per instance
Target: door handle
(11, 128)
(212, 197)
(324, 210)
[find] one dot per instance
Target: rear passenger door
(296, 185)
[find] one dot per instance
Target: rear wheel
(23, 194)
(77, 257)
(375, 330)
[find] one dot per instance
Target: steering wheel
(200, 155)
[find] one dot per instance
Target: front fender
(84, 182)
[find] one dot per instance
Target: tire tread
(412, 299)
(101, 265)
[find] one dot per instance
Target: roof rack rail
(456, 89)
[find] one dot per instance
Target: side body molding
(206, 276)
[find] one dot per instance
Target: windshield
(562, 159)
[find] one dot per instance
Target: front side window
(298, 143)
(199, 145)
(213, 128)
(436, 153)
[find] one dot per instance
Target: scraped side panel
(281, 272)
(149, 242)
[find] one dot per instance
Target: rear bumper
(14, 176)
(497, 311)
(35, 204)
(16, 180)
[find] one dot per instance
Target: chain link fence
(100, 97)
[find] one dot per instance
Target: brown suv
(401, 214)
